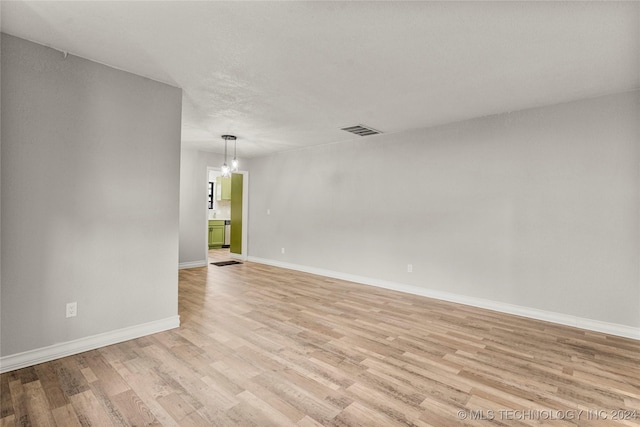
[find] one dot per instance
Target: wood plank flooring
(263, 346)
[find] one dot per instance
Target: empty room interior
(349, 213)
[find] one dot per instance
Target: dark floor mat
(223, 263)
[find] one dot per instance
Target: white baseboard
(239, 257)
(192, 264)
(56, 351)
(533, 313)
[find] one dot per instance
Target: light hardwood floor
(264, 346)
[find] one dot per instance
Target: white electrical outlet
(409, 268)
(282, 250)
(72, 309)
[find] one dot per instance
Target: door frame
(245, 214)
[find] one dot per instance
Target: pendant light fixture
(226, 171)
(234, 162)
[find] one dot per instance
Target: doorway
(234, 210)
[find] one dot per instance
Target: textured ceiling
(283, 75)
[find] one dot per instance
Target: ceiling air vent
(361, 130)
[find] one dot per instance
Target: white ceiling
(283, 75)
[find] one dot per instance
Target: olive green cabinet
(216, 234)
(236, 214)
(223, 188)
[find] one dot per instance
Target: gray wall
(90, 181)
(193, 203)
(538, 208)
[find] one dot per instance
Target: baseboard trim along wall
(238, 257)
(533, 313)
(192, 264)
(56, 351)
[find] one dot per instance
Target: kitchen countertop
(219, 219)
